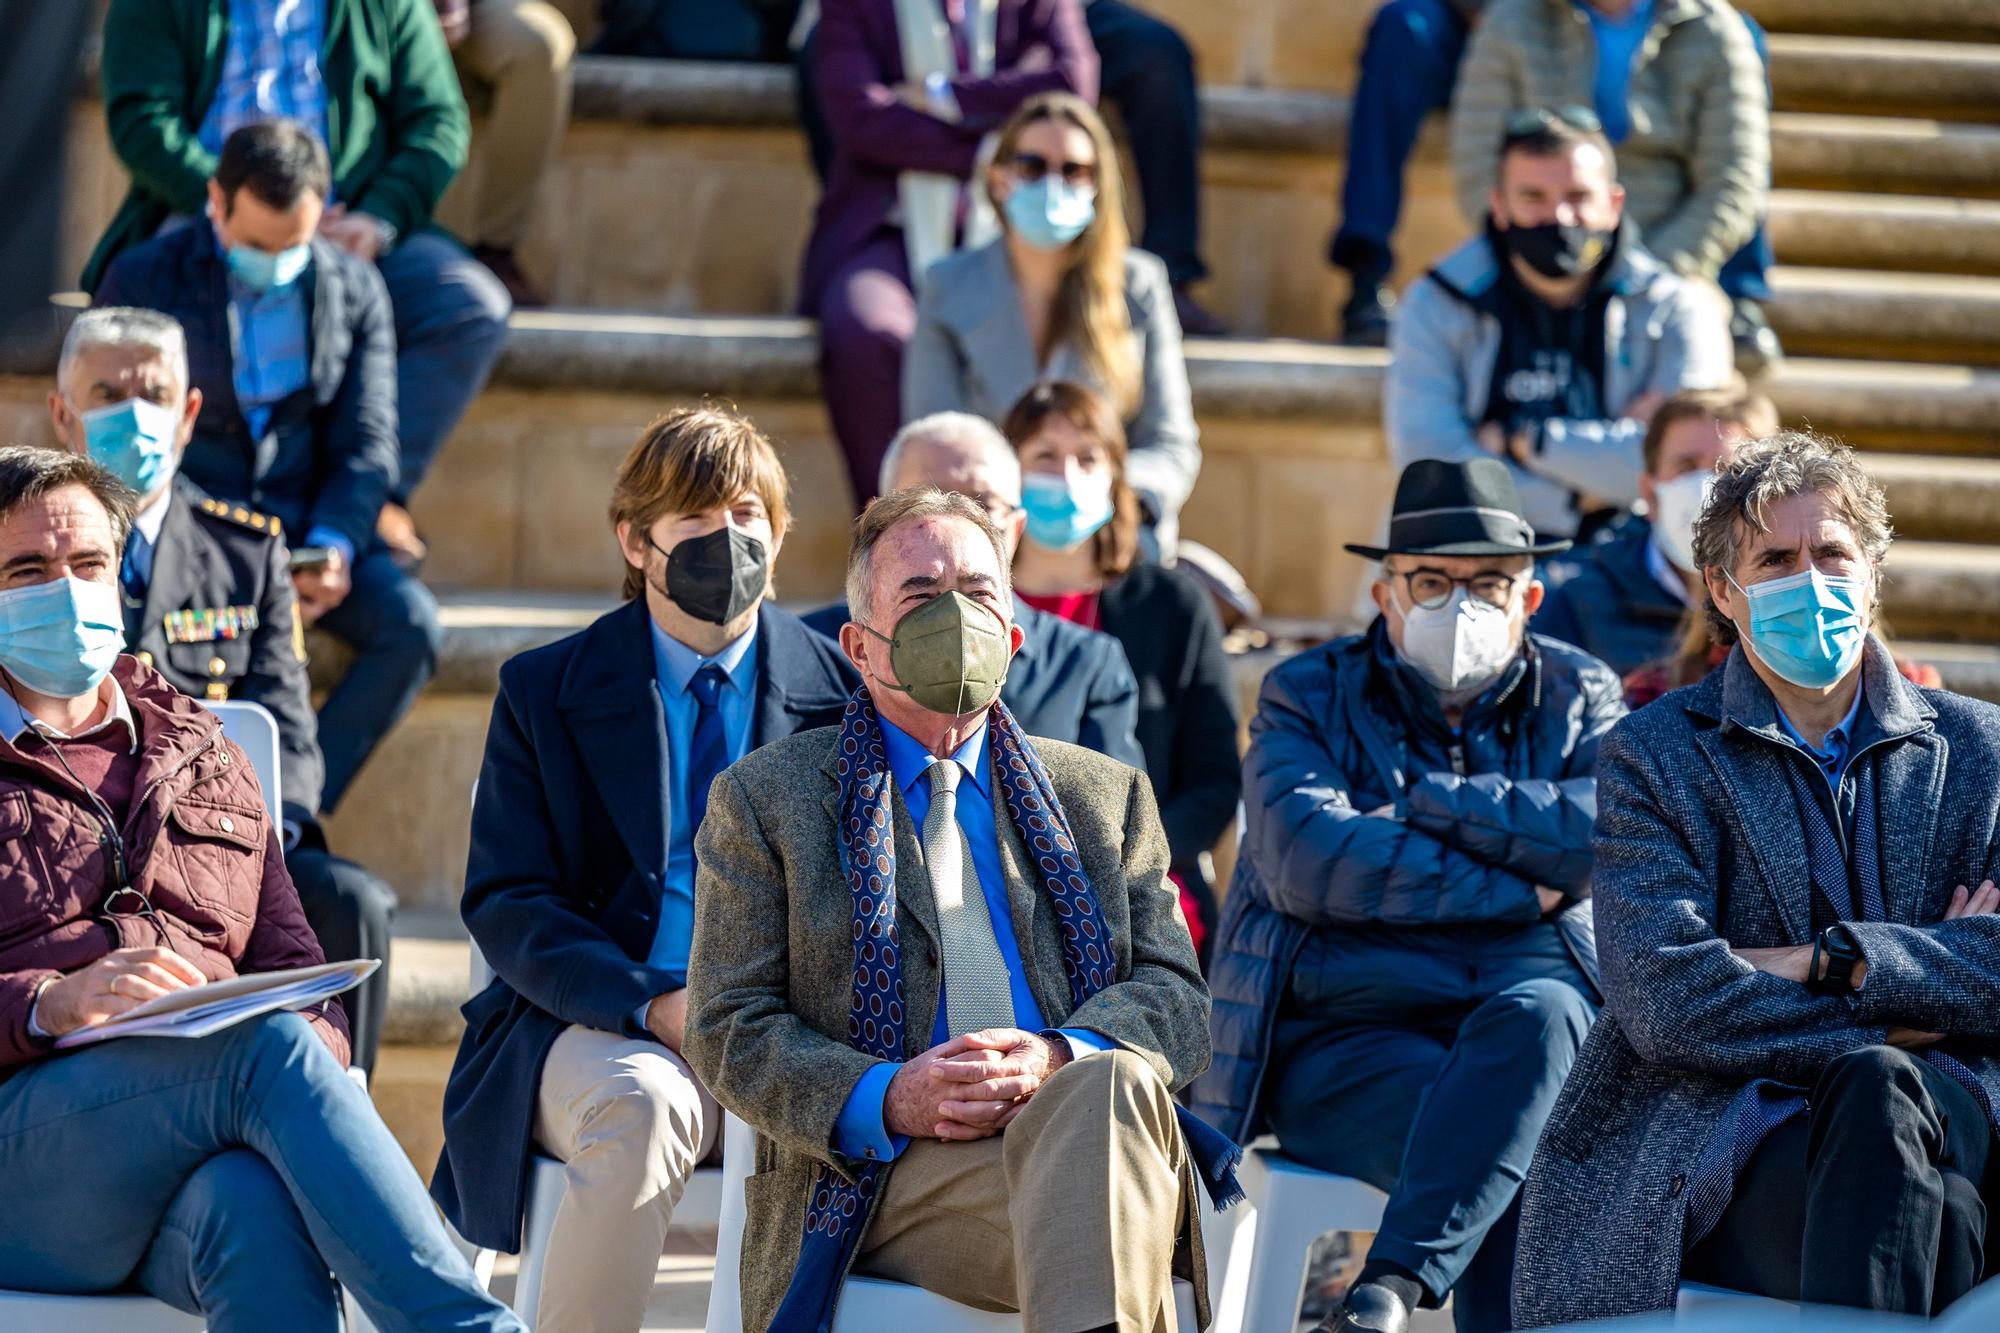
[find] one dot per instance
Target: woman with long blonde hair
(1061, 295)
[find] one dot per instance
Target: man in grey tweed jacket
(1791, 1090)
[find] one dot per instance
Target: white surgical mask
(1460, 646)
(1676, 505)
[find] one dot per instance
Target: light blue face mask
(1050, 213)
(1063, 515)
(1806, 627)
(264, 270)
(60, 638)
(133, 441)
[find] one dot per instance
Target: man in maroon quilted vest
(233, 1176)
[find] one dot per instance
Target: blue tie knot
(707, 685)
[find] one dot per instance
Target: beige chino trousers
(514, 66)
(630, 1122)
(1070, 1215)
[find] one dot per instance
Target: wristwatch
(1836, 945)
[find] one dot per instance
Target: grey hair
(910, 505)
(1765, 472)
(961, 428)
(126, 326)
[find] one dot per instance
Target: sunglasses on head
(1536, 119)
(1031, 167)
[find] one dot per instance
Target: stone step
(1885, 154)
(1905, 316)
(1944, 591)
(1940, 499)
(1942, 20)
(1831, 229)
(1949, 80)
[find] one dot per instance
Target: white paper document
(201, 1010)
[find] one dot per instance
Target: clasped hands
(1792, 961)
(972, 1086)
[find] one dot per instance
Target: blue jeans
(1408, 66)
(1425, 1063)
(1744, 275)
(226, 1176)
(390, 620)
(451, 324)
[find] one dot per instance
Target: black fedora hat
(1462, 509)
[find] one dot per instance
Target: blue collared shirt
(1836, 744)
(269, 69)
(861, 1131)
(269, 347)
(1618, 43)
(674, 666)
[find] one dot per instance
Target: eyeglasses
(1536, 119)
(1431, 589)
(997, 509)
(1031, 167)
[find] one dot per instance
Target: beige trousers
(1070, 1215)
(630, 1123)
(515, 65)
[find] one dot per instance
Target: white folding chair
(700, 1203)
(255, 732)
(1257, 1251)
(867, 1304)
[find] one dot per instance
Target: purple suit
(856, 277)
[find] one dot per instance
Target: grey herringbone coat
(771, 977)
(1699, 847)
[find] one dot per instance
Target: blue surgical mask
(133, 441)
(1050, 213)
(1065, 512)
(1807, 627)
(60, 638)
(263, 270)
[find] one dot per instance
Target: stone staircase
(669, 237)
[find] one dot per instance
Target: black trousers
(1147, 72)
(1878, 1198)
(351, 911)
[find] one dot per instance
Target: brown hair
(692, 459)
(1090, 306)
(905, 506)
(29, 472)
(1792, 462)
(1115, 545)
(1755, 413)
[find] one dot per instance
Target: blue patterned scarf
(837, 1211)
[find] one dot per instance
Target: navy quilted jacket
(1480, 820)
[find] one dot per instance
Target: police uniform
(214, 612)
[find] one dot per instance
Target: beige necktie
(975, 977)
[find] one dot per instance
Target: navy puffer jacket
(1480, 820)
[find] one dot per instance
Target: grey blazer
(770, 980)
(971, 353)
(1699, 848)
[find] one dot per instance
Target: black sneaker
(1758, 351)
(1364, 320)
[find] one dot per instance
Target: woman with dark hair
(1080, 560)
(1061, 295)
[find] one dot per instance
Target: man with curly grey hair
(1792, 1089)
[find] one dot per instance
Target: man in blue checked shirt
(292, 344)
(1792, 1089)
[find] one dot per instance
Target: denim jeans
(1425, 1063)
(390, 620)
(1408, 67)
(227, 1176)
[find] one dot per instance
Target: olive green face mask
(950, 655)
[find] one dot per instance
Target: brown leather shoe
(505, 267)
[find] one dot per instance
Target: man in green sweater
(374, 80)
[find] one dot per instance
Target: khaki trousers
(515, 65)
(630, 1122)
(1070, 1215)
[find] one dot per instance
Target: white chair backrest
(255, 732)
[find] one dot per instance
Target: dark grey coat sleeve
(277, 679)
(363, 457)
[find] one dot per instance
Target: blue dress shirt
(1618, 43)
(269, 346)
(861, 1131)
(270, 69)
(675, 664)
(1832, 759)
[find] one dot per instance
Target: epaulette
(264, 524)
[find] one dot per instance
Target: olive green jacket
(1696, 166)
(395, 115)
(771, 976)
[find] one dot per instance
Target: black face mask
(1556, 251)
(716, 577)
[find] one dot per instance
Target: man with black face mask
(580, 886)
(1549, 341)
